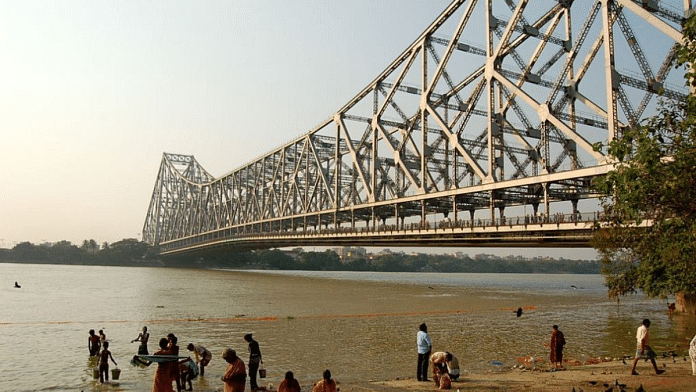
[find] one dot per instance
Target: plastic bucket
(262, 373)
(95, 373)
(115, 373)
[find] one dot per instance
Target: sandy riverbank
(677, 378)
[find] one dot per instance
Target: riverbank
(597, 377)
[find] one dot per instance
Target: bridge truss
(497, 106)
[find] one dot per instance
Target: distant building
(348, 253)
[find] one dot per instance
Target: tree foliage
(128, 251)
(650, 198)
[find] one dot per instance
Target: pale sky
(93, 92)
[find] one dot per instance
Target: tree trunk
(685, 302)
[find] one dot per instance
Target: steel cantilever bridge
(480, 133)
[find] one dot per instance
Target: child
(104, 356)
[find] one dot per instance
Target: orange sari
(235, 376)
(163, 374)
(325, 386)
(285, 386)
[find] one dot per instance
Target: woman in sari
(235, 373)
(289, 384)
(163, 374)
(327, 384)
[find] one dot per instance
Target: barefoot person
(104, 356)
(557, 343)
(93, 343)
(188, 371)
(235, 373)
(174, 349)
(143, 337)
(163, 375)
(254, 360)
(643, 350)
(453, 366)
(438, 362)
(203, 356)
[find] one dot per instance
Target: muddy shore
(596, 377)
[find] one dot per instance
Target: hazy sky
(93, 92)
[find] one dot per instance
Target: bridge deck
(569, 231)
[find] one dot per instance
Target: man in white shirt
(203, 356)
(643, 350)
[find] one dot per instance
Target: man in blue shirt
(424, 348)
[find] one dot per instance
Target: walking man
(643, 349)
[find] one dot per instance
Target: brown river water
(362, 326)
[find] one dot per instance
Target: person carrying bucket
(104, 356)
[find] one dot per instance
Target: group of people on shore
(445, 366)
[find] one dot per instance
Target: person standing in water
(93, 343)
(254, 360)
(203, 356)
(235, 373)
(143, 337)
(174, 349)
(162, 382)
(104, 356)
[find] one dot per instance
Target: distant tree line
(131, 252)
(392, 262)
(128, 251)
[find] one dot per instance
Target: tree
(276, 259)
(649, 241)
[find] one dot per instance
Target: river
(360, 325)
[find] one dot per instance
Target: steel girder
(498, 103)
